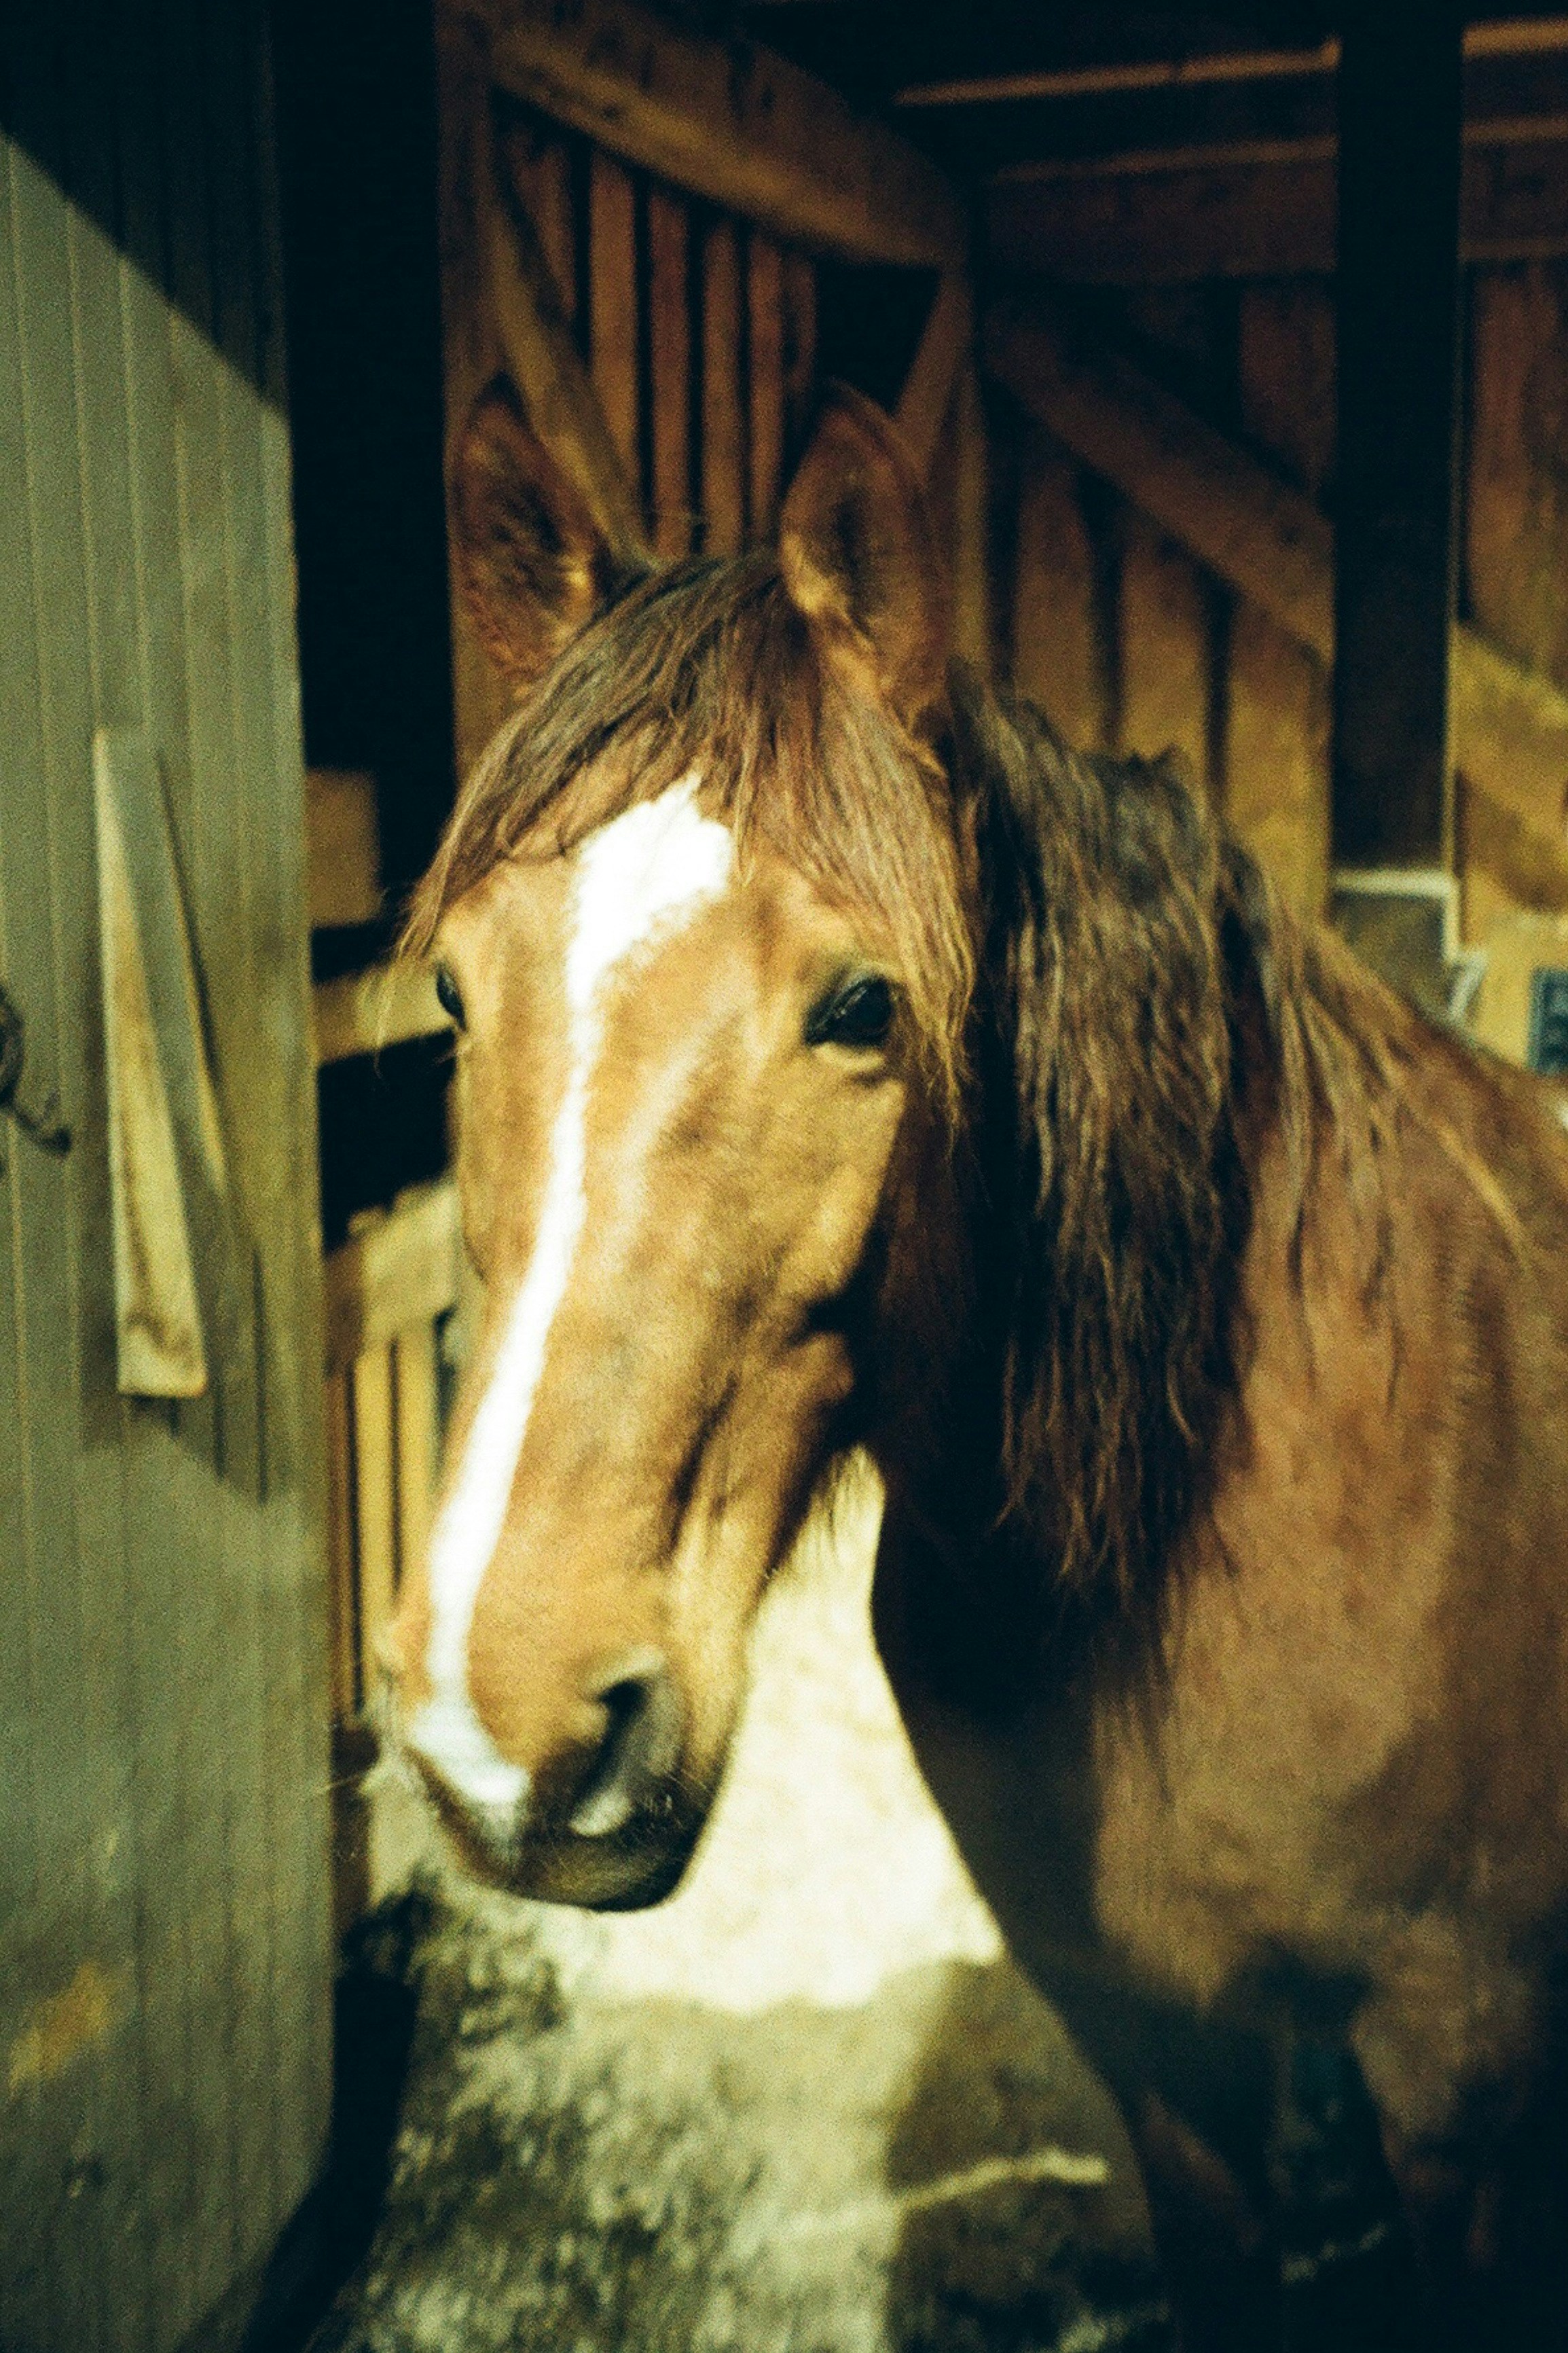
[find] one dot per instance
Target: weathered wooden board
(1167, 656)
(670, 368)
(164, 1918)
(727, 122)
(765, 375)
(1059, 656)
(723, 411)
(613, 303)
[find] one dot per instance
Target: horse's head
(699, 919)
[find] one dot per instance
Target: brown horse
(845, 1061)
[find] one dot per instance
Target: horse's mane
(1152, 1015)
(1112, 1006)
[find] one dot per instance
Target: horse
(845, 1062)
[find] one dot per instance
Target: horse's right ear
(532, 565)
(859, 558)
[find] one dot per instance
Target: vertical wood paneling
(765, 348)
(417, 1439)
(669, 365)
(540, 163)
(613, 301)
(1165, 650)
(1059, 659)
(177, 1661)
(724, 416)
(375, 1498)
(1276, 773)
(798, 298)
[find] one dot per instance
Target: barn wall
(1124, 637)
(164, 1966)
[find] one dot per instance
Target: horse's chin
(629, 1870)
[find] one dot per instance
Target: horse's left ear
(532, 565)
(859, 558)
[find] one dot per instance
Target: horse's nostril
(641, 1743)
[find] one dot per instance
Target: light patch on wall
(61, 2027)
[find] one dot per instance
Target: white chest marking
(639, 879)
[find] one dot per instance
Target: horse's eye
(856, 1013)
(450, 995)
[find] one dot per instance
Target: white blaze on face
(639, 879)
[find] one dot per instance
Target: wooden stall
(165, 1945)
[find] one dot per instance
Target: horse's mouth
(541, 1857)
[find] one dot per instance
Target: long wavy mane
(1147, 1014)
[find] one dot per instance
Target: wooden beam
(400, 1270)
(343, 847)
(1395, 555)
(542, 354)
(927, 396)
(1261, 210)
(363, 1011)
(1510, 726)
(728, 121)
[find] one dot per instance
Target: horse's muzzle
(611, 1827)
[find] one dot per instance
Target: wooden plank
(970, 539)
(727, 122)
(541, 354)
(363, 1012)
(766, 380)
(1510, 727)
(1285, 367)
(669, 366)
(538, 163)
(724, 419)
(1253, 531)
(401, 1270)
(345, 1684)
(419, 1440)
(613, 303)
(1263, 211)
(1059, 654)
(1276, 759)
(375, 1501)
(1395, 578)
(344, 836)
(926, 400)
(799, 297)
(1516, 511)
(1166, 657)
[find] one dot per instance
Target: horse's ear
(532, 565)
(859, 555)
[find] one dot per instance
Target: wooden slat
(400, 1270)
(362, 1012)
(1277, 758)
(613, 303)
(375, 1501)
(726, 121)
(1266, 211)
(345, 838)
(1266, 539)
(971, 549)
(799, 298)
(1060, 657)
(669, 365)
(418, 1431)
(926, 401)
(1510, 728)
(542, 356)
(765, 348)
(723, 426)
(539, 163)
(343, 1580)
(1166, 657)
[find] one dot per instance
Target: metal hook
(44, 1126)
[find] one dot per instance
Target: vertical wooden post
(613, 303)
(1399, 118)
(764, 277)
(669, 361)
(723, 415)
